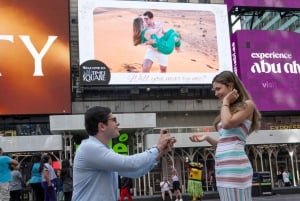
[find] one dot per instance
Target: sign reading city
(106, 35)
(268, 63)
(35, 57)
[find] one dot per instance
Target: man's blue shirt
(96, 169)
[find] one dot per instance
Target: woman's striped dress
(233, 168)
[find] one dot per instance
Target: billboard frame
(86, 40)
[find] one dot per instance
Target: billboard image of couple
(106, 35)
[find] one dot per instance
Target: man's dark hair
(149, 14)
(93, 116)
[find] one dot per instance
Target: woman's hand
(198, 137)
(150, 42)
(231, 97)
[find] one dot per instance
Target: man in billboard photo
(97, 167)
(151, 53)
(238, 118)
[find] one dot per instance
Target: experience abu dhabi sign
(268, 63)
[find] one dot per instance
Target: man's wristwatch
(155, 146)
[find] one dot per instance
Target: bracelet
(225, 105)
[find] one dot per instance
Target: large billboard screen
(35, 57)
(280, 4)
(106, 36)
(268, 63)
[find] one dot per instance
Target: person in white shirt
(285, 178)
(48, 178)
(165, 188)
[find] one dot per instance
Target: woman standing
(176, 186)
(67, 178)
(238, 118)
(35, 181)
(48, 178)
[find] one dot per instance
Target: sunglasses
(113, 119)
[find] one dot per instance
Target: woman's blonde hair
(229, 78)
(137, 31)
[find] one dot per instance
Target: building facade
(182, 109)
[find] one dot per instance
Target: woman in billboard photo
(165, 44)
(238, 118)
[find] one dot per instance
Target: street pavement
(278, 194)
(277, 197)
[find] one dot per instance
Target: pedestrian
(165, 188)
(291, 178)
(212, 181)
(285, 178)
(5, 177)
(238, 118)
(48, 178)
(59, 186)
(280, 179)
(126, 185)
(67, 178)
(96, 166)
(35, 180)
(16, 184)
(176, 186)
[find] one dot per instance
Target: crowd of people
(47, 184)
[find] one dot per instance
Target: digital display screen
(35, 57)
(269, 70)
(281, 4)
(108, 55)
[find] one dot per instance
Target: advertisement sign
(106, 37)
(35, 57)
(281, 4)
(269, 70)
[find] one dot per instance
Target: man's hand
(165, 142)
(150, 42)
